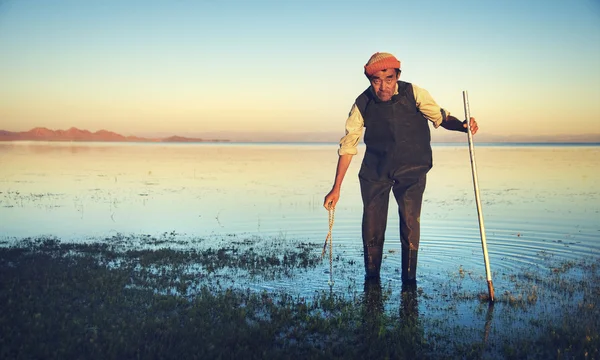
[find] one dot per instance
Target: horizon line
(319, 137)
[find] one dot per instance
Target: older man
(398, 156)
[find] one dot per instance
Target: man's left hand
(474, 126)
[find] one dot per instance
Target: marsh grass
(145, 297)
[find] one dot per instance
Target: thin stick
(329, 239)
(486, 259)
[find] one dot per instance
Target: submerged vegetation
(145, 297)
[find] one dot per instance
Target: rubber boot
(409, 265)
(373, 255)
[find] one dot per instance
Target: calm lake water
(538, 201)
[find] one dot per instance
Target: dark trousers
(408, 192)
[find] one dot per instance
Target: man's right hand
(331, 199)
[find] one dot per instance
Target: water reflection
(373, 297)
(409, 304)
(379, 328)
(488, 322)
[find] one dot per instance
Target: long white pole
(486, 259)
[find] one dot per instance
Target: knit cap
(381, 61)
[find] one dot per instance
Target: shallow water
(541, 206)
(538, 202)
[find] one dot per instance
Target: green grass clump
(105, 300)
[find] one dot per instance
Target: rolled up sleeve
(428, 107)
(354, 130)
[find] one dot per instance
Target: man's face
(384, 83)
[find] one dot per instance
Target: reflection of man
(373, 299)
(409, 303)
(397, 157)
(409, 326)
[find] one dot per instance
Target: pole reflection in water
(488, 322)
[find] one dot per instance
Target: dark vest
(396, 135)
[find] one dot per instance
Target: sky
(291, 70)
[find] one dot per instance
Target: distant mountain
(74, 134)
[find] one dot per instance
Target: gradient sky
(261, 67)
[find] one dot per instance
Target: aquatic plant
(160, 299)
